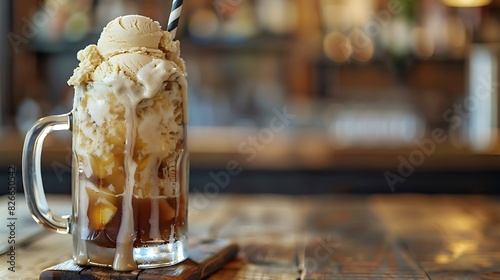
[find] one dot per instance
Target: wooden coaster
(205, 257)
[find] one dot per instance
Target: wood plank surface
(330, 237)
(205, 258)
(347, 240)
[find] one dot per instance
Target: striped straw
(173, 20)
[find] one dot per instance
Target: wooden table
(329, 237)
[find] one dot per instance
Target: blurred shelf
(257, 44)
(304, 149)
(262, 44)
(63, 47)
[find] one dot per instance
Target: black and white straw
(173, 20)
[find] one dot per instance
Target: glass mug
(129, 177)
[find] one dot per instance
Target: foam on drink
(130, 129)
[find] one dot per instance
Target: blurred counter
(297, 162)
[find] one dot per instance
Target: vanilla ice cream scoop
(126, 45)
(130, 33)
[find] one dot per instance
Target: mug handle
(32, 175)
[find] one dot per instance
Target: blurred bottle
(29, 112)
(284, 16)
(372, 125)
(203, 25)
(480, 108)
(107, 10)
(5, 61)
(241, 25)
(63, 20)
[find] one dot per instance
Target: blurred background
(303, 96)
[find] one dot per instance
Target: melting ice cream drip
(151, 78)
(154, 219)
(128, 93)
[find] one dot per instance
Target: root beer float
(129, 143)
